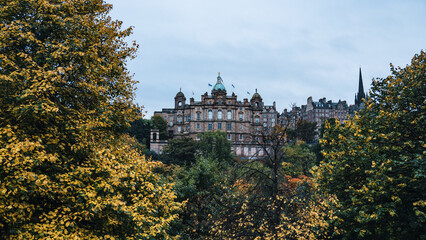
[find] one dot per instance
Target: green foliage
(141, 130)
(65, 100)
(300, 158)
(375, 162)
(201, 186)
(180, 151)
(305, 131)
(161, 124)
(215, 145)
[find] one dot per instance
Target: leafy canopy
(375, 164)
(65, 99)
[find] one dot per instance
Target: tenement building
(321, 110)
(241, 120)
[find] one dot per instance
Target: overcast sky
(288, 50)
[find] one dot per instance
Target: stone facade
(322, 110)
(241, 120)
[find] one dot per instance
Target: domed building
(241, 120)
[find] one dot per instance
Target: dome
(256, 95)
(219, 84)
(180, 94)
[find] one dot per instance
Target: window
(178, 119)
(241, 109)
(179, 103)
(198, 126)
(219, 126)
(229, 136)
(210, 126)
(198, 116)
(241, 127)
(229, 126)
(219, 114)
(241, 116)
(165, 117)
(171, 124)
(229, 115)
(210, 114)
(241, 136)
(256, 119)
(179, 129)
(229, 102)
(198, 108)
(198, 137)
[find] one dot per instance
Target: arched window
(179, 103)
(219, 114)
(229, 115)
(210, 114)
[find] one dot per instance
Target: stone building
(241, 120)
(321, 110)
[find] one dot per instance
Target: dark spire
(361, 94)
(360, 86)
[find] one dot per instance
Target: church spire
(361, 94)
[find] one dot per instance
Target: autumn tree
(66, 171)
(375, 165)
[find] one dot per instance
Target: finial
(218, 73)
(180, 89)
(256, 90)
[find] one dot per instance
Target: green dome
(219, 84)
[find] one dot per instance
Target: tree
(66, 171)
(180, 151)
(161, 124)
(215, 145)
(305, 131)
(374, 163)
(299, 158)
(141, 130)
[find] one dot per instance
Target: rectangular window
(219, 126)
(198, 116)
(179, 129)
(229, 136)
(241, 136)
(241, 116)
(210, 126)
(229, 115)
(198, 126)
(229, 126)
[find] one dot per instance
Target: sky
(287, 50)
